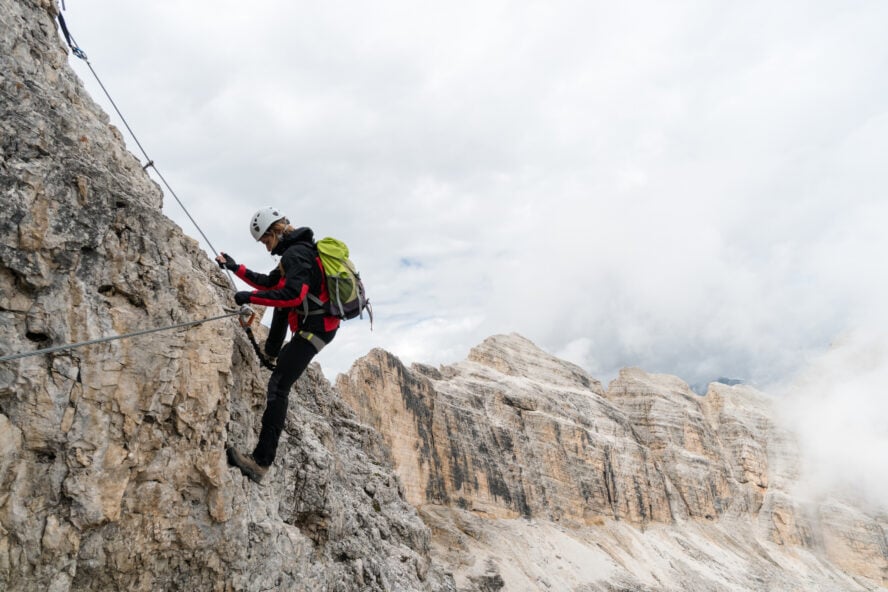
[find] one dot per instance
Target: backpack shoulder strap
(316, 299)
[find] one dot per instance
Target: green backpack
(344, 286)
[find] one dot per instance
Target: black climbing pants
(291, 363)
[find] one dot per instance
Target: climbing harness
(313, 339)
(243, 312)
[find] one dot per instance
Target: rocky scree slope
(112, 466)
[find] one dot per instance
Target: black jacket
(287, 286)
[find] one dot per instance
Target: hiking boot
(249, 467)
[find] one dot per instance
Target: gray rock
(512, 470)
(112, 466)
(534, 477)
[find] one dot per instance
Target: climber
(285, 288)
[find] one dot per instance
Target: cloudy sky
(690, 187)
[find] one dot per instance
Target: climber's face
(270, 240)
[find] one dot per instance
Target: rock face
(512, 470)
(534, 477)
(112, 465)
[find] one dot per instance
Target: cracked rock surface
(511, 470)
(112, 457)
(534, 476)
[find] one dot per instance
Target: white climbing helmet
(263, 219)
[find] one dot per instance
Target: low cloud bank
(838, 408)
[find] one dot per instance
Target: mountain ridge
(510, 437)
(509, 470)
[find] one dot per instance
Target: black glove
(229, 262)
(242, 297)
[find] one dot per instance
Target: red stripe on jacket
(330, 322)
(242, 274)
(281, 303)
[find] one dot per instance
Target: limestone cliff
(112, 465)
(535, 477)
(527, 473)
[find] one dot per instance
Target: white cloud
(838, 407)
(690, 188)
